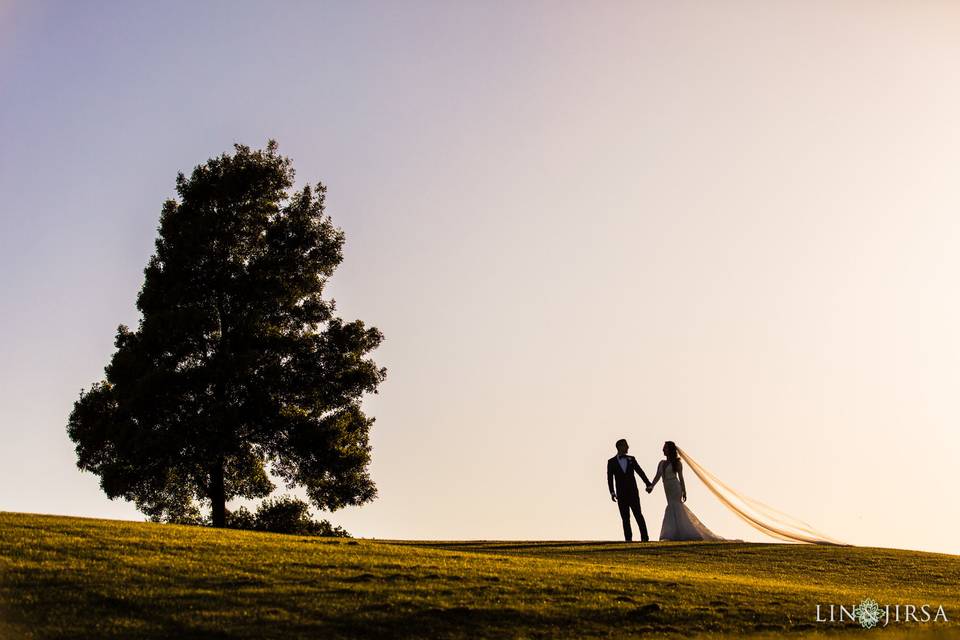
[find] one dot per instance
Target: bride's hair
(672, 455)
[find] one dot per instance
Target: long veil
(758, 515)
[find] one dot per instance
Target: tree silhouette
(238, 365)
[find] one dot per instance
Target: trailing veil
(758, 515)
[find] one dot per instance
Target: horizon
(586, 541)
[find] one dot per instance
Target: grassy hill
(78, 578)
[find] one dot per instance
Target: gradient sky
(731, 224)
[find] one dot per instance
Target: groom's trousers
(627, 504)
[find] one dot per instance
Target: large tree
(239, 370)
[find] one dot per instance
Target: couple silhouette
(679, 523)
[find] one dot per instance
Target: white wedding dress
(679, 522)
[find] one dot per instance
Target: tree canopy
(239, 370)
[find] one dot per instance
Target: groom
(620, 468)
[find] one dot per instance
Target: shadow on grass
(631, 620)
(577, 548)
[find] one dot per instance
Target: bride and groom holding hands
(679, 523)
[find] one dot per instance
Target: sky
(733, 225)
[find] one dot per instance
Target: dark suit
(628, 495)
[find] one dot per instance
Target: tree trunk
(218, 495)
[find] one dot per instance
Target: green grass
(78, 578)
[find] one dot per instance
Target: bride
(679, 523)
